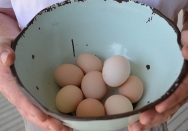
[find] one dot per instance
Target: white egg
(116, 70)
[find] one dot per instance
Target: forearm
(185, 20)
(8, 23)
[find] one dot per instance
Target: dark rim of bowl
(174, 86)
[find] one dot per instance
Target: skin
(166, 109)
(9, 29)
(8, 87)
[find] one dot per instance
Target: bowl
(61, 32)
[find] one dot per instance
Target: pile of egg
(86, 83)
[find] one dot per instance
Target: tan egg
(90, 108)
(89, 62)
(68, 99)
(132, 89)
(68, 74)
(93, 85)
(117, 104)
(116, 70)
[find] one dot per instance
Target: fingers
(179, 95)
(184, 38)
(9, 88)
(11, 91)
(23, 103)
(7, 55)
(50, 124)
(184, 41)
(152, 118)
(136, 127)
(185, 52)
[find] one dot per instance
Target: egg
(68, 74)
(116, 70)
(132, 89)
(93, 85)
(90, 108)
(68, 98)
(89, 62)
(117, 104)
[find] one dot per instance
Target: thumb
(7, 55)
(184, 41)
(185, 51)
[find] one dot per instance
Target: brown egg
(90, 108)
(89, 62)
(93, 85)
(68, 99)
(117, 104)
(68, 74)
(132, 89)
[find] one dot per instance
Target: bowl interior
(63, 31)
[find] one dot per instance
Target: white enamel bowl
(148, 39)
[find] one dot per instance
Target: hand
(165, 110)
(10, 90)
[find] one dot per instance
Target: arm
(8, 26)
(184, 35)
(9, 29)
(185, 16)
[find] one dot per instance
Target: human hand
(166, 109)
(10, 90)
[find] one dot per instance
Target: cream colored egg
(68, 98)
(116, 70)
(132, 89)
(93, 85)
(68, 74)
(90, 108)
(89, 62)
(117, 104)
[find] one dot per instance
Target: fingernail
(51, 128)
(4, 57)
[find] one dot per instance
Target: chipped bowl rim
(170, 91)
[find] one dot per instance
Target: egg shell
(117, 104)
(90, 108)
(89, 62)
(116, 70)
(68, 74)
(93, 85)
(68, 98)
(132, 89)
